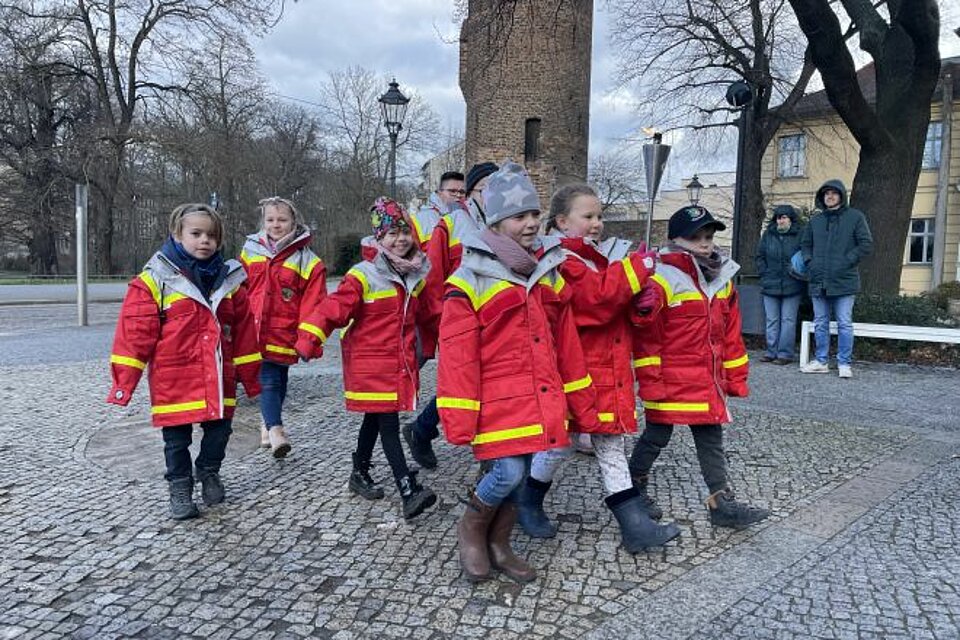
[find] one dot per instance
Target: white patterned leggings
(611, 457)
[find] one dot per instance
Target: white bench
(890, 331)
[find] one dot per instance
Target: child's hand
(645, 301)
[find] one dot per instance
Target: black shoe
(637, 528)
(211, 487)
(530, 514)
(646, 502)
(725, 511)
(416, 497)
(361, 483)
(182, 506)
(420, 449)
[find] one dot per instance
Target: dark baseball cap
(688, 220)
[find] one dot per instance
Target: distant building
(450, 159)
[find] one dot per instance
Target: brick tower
(525, 76)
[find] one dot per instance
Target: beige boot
(264, 438)
(279, 442)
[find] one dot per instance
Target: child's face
(399, 240)
(277, 221)
(584, 220)
(831, 198)
(701, 243)
(198, 235)
(522, 228)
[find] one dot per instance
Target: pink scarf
(401, 264)
(510, 253)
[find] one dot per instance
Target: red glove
(649, 258)
(645, 301)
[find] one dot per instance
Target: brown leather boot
(502, 556)
(472, 539)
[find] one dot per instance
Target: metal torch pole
(81, 196)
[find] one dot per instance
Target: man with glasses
(444, 200)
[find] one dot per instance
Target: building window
(931, 146)
(792, 156)
(531, 140)
(920, 241)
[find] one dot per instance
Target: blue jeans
(502, 483)
(426, 425)
(273, 381)
(843, 311)
(781, 315)
(213, 448)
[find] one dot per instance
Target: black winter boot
(360, 481)
(211, 486)
(416, 497)
(648, 503)
(420, 449)
(637, 529)
(533, 520)
(725, 511)
(182, 506)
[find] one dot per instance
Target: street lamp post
(694, 188)
(393, 105)
(739, 96)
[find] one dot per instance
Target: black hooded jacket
(833, 243)
(773, 255)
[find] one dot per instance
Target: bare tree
(682, 54)
(903, 40)
(618, 178)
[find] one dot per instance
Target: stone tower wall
(529, 61)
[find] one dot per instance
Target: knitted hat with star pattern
(508, 193)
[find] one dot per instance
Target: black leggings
(388, 426)
(708, 439)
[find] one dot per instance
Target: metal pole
(738, 194)
(393, 166)
(81, 247)
(646, 235)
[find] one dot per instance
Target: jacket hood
(831, 184)
(370, 251)
(480, 258)
(686, 261)
(784, 209)
(257, 242)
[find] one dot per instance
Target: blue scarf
(206, 274)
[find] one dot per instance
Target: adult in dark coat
(833, 243)
(780, 287)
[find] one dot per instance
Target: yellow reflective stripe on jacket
(577, 385)
(665, 285)
(418, 288)
(127, 360)
(458, 403)
(726, 291)
(687, 296)
(631, 275)
(314, 329)
(173, 297)
(304, 273)
(369, 396)
(557, 285)
(606, 417)
(250, 258)
(177, 408)
(736, 362)
(700, 407)
(247, 359)
(452, 240)
(508, 434)
(229, 402)
(650, 361)
(275, 348)
(370, 296)
(148, 280)
(416, 225)
(479, 300)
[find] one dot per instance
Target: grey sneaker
(845, 371)
(815, 367)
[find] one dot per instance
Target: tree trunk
(753, 211)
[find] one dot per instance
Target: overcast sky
(416, 42)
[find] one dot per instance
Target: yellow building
(818, 147)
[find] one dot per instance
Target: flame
(650, 131)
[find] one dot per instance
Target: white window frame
(792, 161)
(932, 145)
(926, 237)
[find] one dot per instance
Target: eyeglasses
(456, 192)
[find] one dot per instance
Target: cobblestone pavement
(861, 543)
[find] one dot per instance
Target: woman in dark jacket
(781, 288)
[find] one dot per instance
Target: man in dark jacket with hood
(780, 286)
(833, 243)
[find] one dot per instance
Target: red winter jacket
(689, 350)
(195, 349)
(379, 310)
(426, 218)
(604, 280)
(510, 362)
(284, 287)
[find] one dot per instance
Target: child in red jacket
(287, 281)
(187, 317)
(510, 365)
(377, 301)
(689, 357)
(603, 278)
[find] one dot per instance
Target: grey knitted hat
(508, 193)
